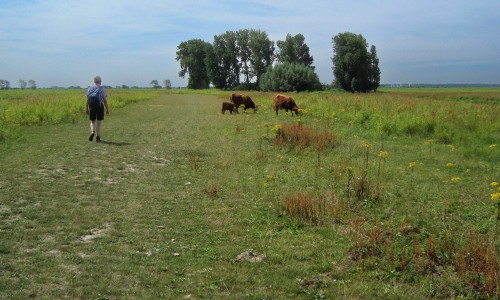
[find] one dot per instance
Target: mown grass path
(160, 209)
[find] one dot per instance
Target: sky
(67, 42)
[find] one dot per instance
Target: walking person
(97, 100)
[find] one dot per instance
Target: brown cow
(228, 106)
(284, 102)
(247, 102)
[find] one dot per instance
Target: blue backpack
(94, 99)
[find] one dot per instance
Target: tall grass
(20, 108)
(470, 120)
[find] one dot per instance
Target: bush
(287, 77)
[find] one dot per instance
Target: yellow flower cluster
(383, 154)
(366, 144)
(267, 178)
(276, 128)
(456, 179)
(412, 164)
(450, 165)
(495, 196)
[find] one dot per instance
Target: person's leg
(98, 130)
(92, 129)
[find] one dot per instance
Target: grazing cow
(284, 102)
(228, 106)
(247, 102)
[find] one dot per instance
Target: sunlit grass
(360, 196)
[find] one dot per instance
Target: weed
(194, 162)
(213, 190)
(314, 210)
(303, 136)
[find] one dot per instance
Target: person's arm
(105, 101)
(87, 108)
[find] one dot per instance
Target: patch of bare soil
(95, 233)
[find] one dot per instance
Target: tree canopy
(294, 50)
(191, 55)
(244, 59)
(355, 69)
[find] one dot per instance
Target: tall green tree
(192, 55)
(261, 53)
(222, 62)
(374, 69)
(244, 53)
(354, 68)
(294, 50)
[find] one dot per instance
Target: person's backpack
(94, 99)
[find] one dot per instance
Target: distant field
(387, 195)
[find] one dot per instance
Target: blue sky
(67, 42)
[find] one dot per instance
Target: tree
(261, 53)
(167, 83)
(192, 55)
(354, 68)
(294, 50)
(288, 77)
(223, 63)
(244, 53)
(32, 84)
(155, 84)
(22, 84)
(374, 70)
(255, 53)
(4, 84)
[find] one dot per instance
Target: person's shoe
(98, 139)
(91, 137)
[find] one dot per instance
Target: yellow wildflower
(456, 179)
(412, 164)
(493, 145)
(383, 154)
(495, 196)
(366, 144)
(450, 165)
(494, 184)
(269, 177)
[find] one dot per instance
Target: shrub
(288, 77)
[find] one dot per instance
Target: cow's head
(296, 110)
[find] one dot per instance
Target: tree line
(248, 60)
(5, 84)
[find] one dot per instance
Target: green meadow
(387, 195)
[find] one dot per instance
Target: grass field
(393, 195)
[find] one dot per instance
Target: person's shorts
(96, 112)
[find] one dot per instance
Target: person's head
(97, 79)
